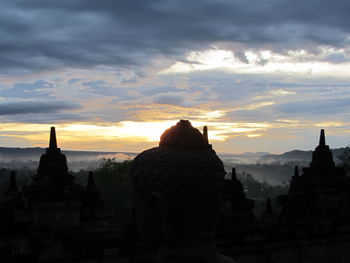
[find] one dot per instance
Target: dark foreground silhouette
(184, 211)
(177, 191)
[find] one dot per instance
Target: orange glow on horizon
(135, 136)
(111, 137)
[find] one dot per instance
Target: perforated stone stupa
(55, 220)
(236, 217)
(321, 194)
(178, 186)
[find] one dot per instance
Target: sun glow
(108, 137)
(135, 136)
(151, 131)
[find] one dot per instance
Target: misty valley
(263, 175)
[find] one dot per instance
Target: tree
(344, 160)
(112, 179)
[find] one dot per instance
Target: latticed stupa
(187, 170)
(56, 219)
(236, 216)
(53, 182)
(320, 194)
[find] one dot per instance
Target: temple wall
(56, 215)
(316, 249)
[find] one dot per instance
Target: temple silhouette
(54, 219)
(308, 224)
(320, 195)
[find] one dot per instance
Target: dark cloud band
(34, 106)
(42, 35)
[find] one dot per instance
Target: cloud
(36, 89)
(41, 35)
(45, 118)
(169, 99)
(316, 107)
(34, 106)
(102, 63)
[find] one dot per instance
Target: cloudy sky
(112, 75)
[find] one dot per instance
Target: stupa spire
(205, 133)
(53, 163)
(233, 174)
(322, 158)
(322, 138)
(296, 171)
(53, 141)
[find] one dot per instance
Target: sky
(113, 75)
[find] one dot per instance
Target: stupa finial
(205, 133)
(233, 174)
(322, 138)
(53, 141)
(296, 171)
(322, 158)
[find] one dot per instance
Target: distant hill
(29, 157)
(35, 153)
(298, 155)
(9, 153)
(273, 168)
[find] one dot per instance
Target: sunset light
(111, 80)
(130, 131)
(252, 99)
